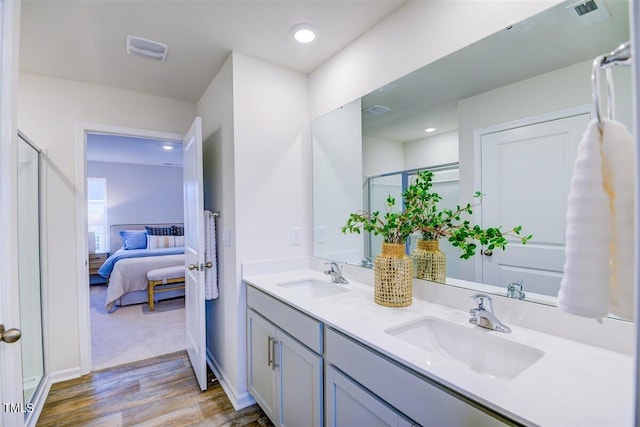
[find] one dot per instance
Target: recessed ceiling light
(429, 130)
(303, 33)
(167, 147)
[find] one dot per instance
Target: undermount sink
(480, 350)
(314, 287)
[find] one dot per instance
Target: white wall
(381, 156)
(47, 113)
(272, 170)
(431, 151)
(417, 34)
(140, 194)
(216, 109)
(337, 177)
(258, 172)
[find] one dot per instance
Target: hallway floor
(161, 391)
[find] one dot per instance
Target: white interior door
(10, 353)
(194, 251)
(526, 172)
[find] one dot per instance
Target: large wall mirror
(506, 113)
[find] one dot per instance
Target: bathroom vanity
(320, 353)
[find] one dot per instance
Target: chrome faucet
(366, 262)
(336, 273)
(483, 315)
(516, 290)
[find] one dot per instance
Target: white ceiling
(84, 40)
(548, 41)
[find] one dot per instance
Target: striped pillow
(154, 242)
(158, 231)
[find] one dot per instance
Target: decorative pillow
(154, 242)
(177, 230)
(133, 239)
(179, 241)
(158, 231)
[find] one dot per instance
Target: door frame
(80, 140)
(478, 134)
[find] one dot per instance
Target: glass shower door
(29, 267)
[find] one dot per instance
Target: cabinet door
(261, 375)
(299, 383)
(351, 405)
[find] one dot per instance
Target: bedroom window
(97, 214)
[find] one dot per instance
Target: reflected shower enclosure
(29, 267)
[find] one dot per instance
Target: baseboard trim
(239, 401)
(67, 374)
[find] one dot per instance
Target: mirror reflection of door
(29, 268)
(526, 172)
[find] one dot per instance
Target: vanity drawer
(297, 324)
(424, 401)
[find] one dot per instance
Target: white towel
(584, 289)
(598, 271)
(210, 274)
(619, 182)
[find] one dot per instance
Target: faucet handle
(334, 267)
(481, 298)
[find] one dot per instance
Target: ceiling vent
(376, 110)
(146, 48)
(588, 12)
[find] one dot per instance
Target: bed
(126, 268)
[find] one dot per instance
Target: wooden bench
(164, 276)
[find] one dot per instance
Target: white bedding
(130, 274)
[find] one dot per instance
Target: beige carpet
(133, 332)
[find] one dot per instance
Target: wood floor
(162, 391)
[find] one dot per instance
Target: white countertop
(573, 384)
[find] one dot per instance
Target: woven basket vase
(429, 262)
(393, 271)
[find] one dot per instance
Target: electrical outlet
(321, 232)
(296, 233)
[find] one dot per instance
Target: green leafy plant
(394, 227)
(421, 205)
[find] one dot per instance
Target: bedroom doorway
(121, 194)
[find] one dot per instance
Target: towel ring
(596, 88)
(619, 56)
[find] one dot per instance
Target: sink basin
(314, 287)
(480, 350)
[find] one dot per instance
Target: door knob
(192, 267)
(488, 252)
(208, 264)
(10, 335)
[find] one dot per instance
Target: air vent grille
(146, 48)
(588, 12)
(587, 7)
(376, 110)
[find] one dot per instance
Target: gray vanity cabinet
(349, 404)
(424, 401)
(362, 387)
(284, 375)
